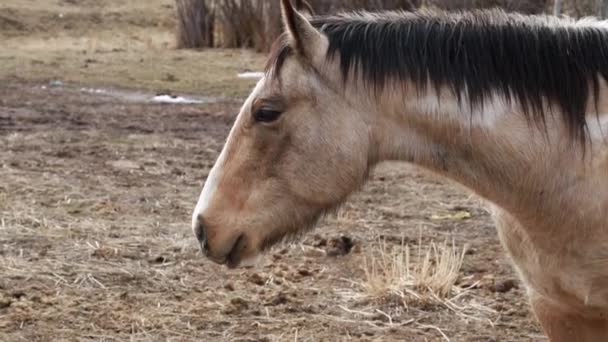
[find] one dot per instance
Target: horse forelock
(279, 52)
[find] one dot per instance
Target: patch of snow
(174, 99)
(250, 74)
(133, 96)
(124, 165)
(93, 91)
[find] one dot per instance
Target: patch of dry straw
(419, 277)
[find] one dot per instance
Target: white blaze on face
(214, 176)
(209, 189)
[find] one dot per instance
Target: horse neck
(490, 149)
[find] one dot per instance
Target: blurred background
(255, 24)
(112, 113)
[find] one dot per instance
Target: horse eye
(265, 115)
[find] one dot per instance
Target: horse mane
(541, 62)
(279, 51)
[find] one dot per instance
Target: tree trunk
(195, 24)
(557, 8)
(602, 9)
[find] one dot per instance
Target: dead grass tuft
(422, 277)
(431, 272)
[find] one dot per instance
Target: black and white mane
(542, 62)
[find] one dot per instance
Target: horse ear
(304, 37)
(305, 8)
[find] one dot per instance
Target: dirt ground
(97, 188)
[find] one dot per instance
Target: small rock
(340, 246)
(103, 253)
(296, 308)
(505, 286)
(320, 241)
(257, 279)
(304, 273)
(229, 287)
(5, 302)
(178, 172)
(159, 260)
(170, 78)
(18, 294)
(239, 303)
(279, 299)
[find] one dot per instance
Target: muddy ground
(96, 192)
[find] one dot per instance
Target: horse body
(549, 199)
(338, 99)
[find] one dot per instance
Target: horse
(512, 107)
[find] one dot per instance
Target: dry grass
(131, 45)
(93, 250)
(88, 5)
(75, 271)
(90, 250)
(421, 277)
(3, 199)
(209, 73)
(431, 273)
(402, 284)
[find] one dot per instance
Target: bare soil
(96, 194)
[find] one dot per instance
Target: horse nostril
(201, 235)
